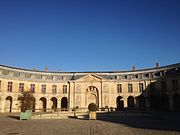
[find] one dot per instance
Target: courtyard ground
(111, 125)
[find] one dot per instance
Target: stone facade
(157, 87)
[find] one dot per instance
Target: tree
(92, 107)
(27, 100)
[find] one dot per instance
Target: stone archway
(92, 96)
(54, 103)
(8, 104)
(43, 103)
(33, 104)
(19, 104)
(119, 103)
(141, 102)
(64, 104)
(130, 102)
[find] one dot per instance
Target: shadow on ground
(165, 121)
(14, 117)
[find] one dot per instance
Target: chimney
(133, 68)
(157, 65)
(46, 69)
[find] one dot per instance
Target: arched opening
(54, 103)
(19, 107)
(141, 101)
(64, 104)
(119, 103)
(8, 105)
(43, 103)
(164, 102)
(176, 102)
(34, 104)
(19, 104)
(154, 100)
(130, 102)
(92, 96)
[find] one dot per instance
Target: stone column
(125, 102)
(100, 97)
(37, 105)
(69, 98)
(48, 104)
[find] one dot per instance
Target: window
(9, 88)
(175, 85)
(130, 89)
(32, 88)
(119, 88)
(43, 89)
(21, 87)
(64, 89)
(141, 89)
(163, 85)
(54, 89)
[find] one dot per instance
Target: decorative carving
(92, 89)
(91, 95)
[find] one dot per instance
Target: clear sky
(89, 35)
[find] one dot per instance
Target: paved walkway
(124, 125)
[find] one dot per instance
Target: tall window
(130, 88)
(9, 88)
(43, 89)
(64, 89)
(32, 88)
(163, 85)
(54, 89)
(141, 88)
(21, 87)
(175, 84)
(119, 88)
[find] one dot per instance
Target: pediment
(90, 78)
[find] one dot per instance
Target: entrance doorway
(8, 104)
(119, 103)
(130, 102)
(54, 103)
(64, 104)
(91, 96)
(43, 103)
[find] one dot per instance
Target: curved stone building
(157, 88)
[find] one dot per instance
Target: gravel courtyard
(123, 125)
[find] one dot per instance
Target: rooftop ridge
(113, 71)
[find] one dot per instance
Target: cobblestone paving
(115, 126)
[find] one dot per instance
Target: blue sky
(89, 35)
